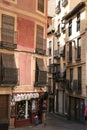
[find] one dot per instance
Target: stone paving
(56, 123)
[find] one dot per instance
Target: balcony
(56, 54)
(57, 33)
(50, 69)
(8, 76)
(73, 87)
(60, 76)
(64, 3)
(69, 57)
(50, 29)
(8, 39)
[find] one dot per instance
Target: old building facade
(76, 90)
(22, 59)
(50, 43)
(68, 67)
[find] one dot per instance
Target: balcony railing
(50, 29)
(60, 76)
(56, 54)
(9, 76)
(41, 46)
(73, 86)
(8, 39)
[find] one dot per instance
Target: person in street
(44, 110)
(86, 113)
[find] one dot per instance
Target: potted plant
(4, 124)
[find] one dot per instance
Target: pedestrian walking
(86, 113)
(44, 111)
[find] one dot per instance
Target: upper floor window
(79, 48)
(41, 6)
(70, 27)
(58, 9)
(64, 3)
(70, 52)
(8, 33)
(40, 41)
(49, 49)
(78, 22)
(58, 30)
(71, 75)
(79, 79)
(57, 33)
(8, 22)
(71, 79)
(63, 25)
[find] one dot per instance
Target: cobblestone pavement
(56, 123)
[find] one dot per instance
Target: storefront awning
(28, 96)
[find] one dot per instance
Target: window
(79, 79)
(41, 6)
(40, 42)
(78, 22)
(78, 48)
(58, 46)
(8, 35)
(49, 49)
(58, 9)
(70, 52)
(70, 27)
(71, 79)
(64, 3)
(63, 25)
(58, 29)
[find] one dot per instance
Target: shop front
(27, 105)
(76, 108)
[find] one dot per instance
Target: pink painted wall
(25, 69)
(25, 34)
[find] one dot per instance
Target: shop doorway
(4, 103)
(76, 108)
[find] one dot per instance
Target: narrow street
(56, 123)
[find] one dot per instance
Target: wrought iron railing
(9, 76)
(56, 54)
(41, 46)
(73, 86)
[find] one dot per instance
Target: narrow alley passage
(56, 123)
